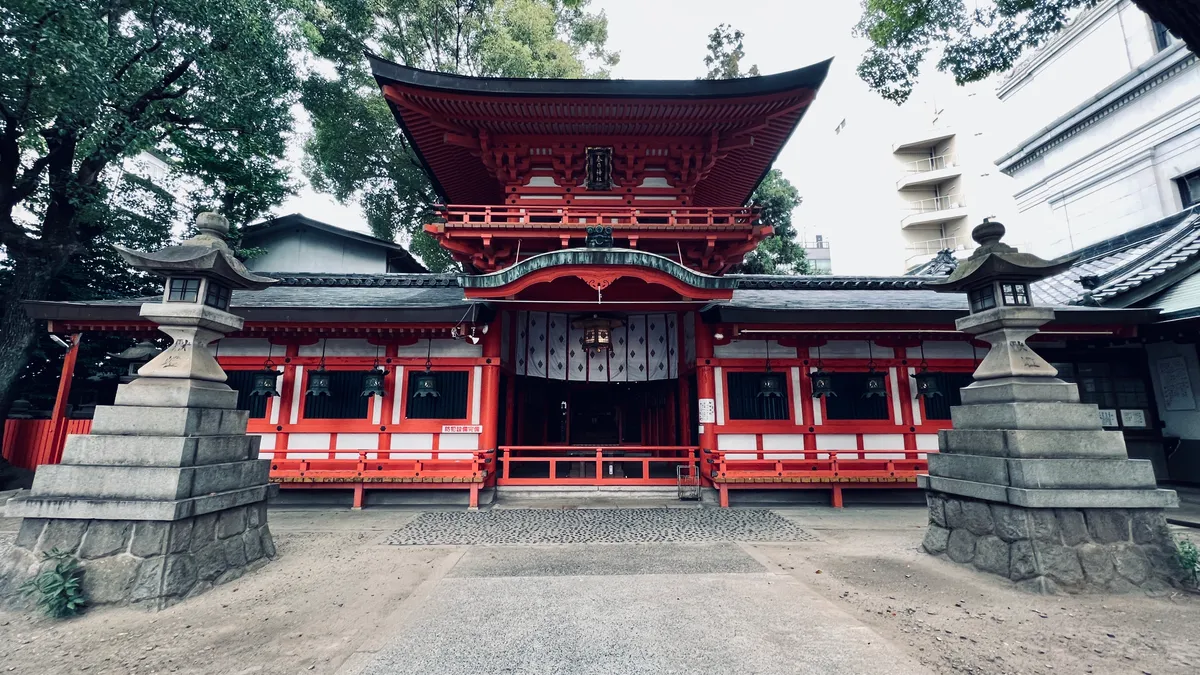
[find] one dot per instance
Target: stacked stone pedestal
(1029, 486)
(165, 498)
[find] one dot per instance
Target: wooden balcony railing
(583, 465)
(459, 217)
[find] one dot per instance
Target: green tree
(775, 195)
(87, 84)
(977, 41)
(355, 151)
(725, 54)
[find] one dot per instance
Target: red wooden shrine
(598, 336)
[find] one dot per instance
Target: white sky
(666, 39)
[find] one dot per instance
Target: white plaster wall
(341, 348)
(448, 348)
(749, 348)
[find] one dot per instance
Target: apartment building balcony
(922, 140)
(919, 252)
(929, 171)
(934, 210)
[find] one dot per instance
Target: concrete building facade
(1109, 111)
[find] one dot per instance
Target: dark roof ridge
(820, 282)
(1134, 237)
(810, 76)
(378, 280)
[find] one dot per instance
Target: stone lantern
(1028, 485)
(167, 496)
(135, 357)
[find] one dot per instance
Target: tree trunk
(30, 281)
(1182, 17)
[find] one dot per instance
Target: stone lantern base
(1052, 550)
(164, 499)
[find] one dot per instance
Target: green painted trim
(597, 257)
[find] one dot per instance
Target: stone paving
(582, 526)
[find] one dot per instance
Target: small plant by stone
(1189, 559)
(58, 588)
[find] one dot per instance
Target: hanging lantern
(597, 333)
(927, 384)
(769, 385)
(876, 384)
(426, 382)
(264, 382)
(318, 383)
(373, 382)
(822, 384)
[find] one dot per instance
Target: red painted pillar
(683, 398)
(489, 408)
(58, 425)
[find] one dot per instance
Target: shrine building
(600, 335)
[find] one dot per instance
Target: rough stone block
(1072, 526)
(1108, 526)
(147, 585)
(1097, 564)
(63, 535)
(961, 546)
(109, 580)
(977, 517)
(30, 532)
(1112, 474)
(964, 488)
(936, 539)
(1060, 563)
(256, 514)
(1022, 561)
(1043, 526)
(1010, 522)
(180, 538)
(1131, 563)
(204, 530)
(268, 542)
(231, 523)
(222, 449)
(104, 538)
(253, 543)
(1039, 586)
(180, 574)
(991, 555)
(1056, 416)
(111, 482)
(235, 552)
(210, 562)
(149, 538)
(954, 514)
(1092, 499)
(1149, 527)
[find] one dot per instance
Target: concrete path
(620, 608)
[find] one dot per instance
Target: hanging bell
(425, 385)
(770, 386)
(318, 383)
(822, 384)
(264, 382)
(373, 382)
(927, 384)
(876, 384)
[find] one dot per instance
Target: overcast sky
(666, 39)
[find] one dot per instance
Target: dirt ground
(336, 586)
(957, 621)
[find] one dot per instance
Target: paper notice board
(1174, 384)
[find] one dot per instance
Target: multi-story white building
(1109, 111)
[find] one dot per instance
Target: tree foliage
(355, 151)
(775, 195)
(725, 54)
(87, 84)
(976, 40)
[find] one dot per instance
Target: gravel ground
(561, 526)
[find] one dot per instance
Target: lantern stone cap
(205, 254)
(996, 261)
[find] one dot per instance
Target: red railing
(378, 466)
(29, 443)
(585, 465)
(618, 218)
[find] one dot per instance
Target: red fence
(608, 465)
(828, 469)
(28, 443)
